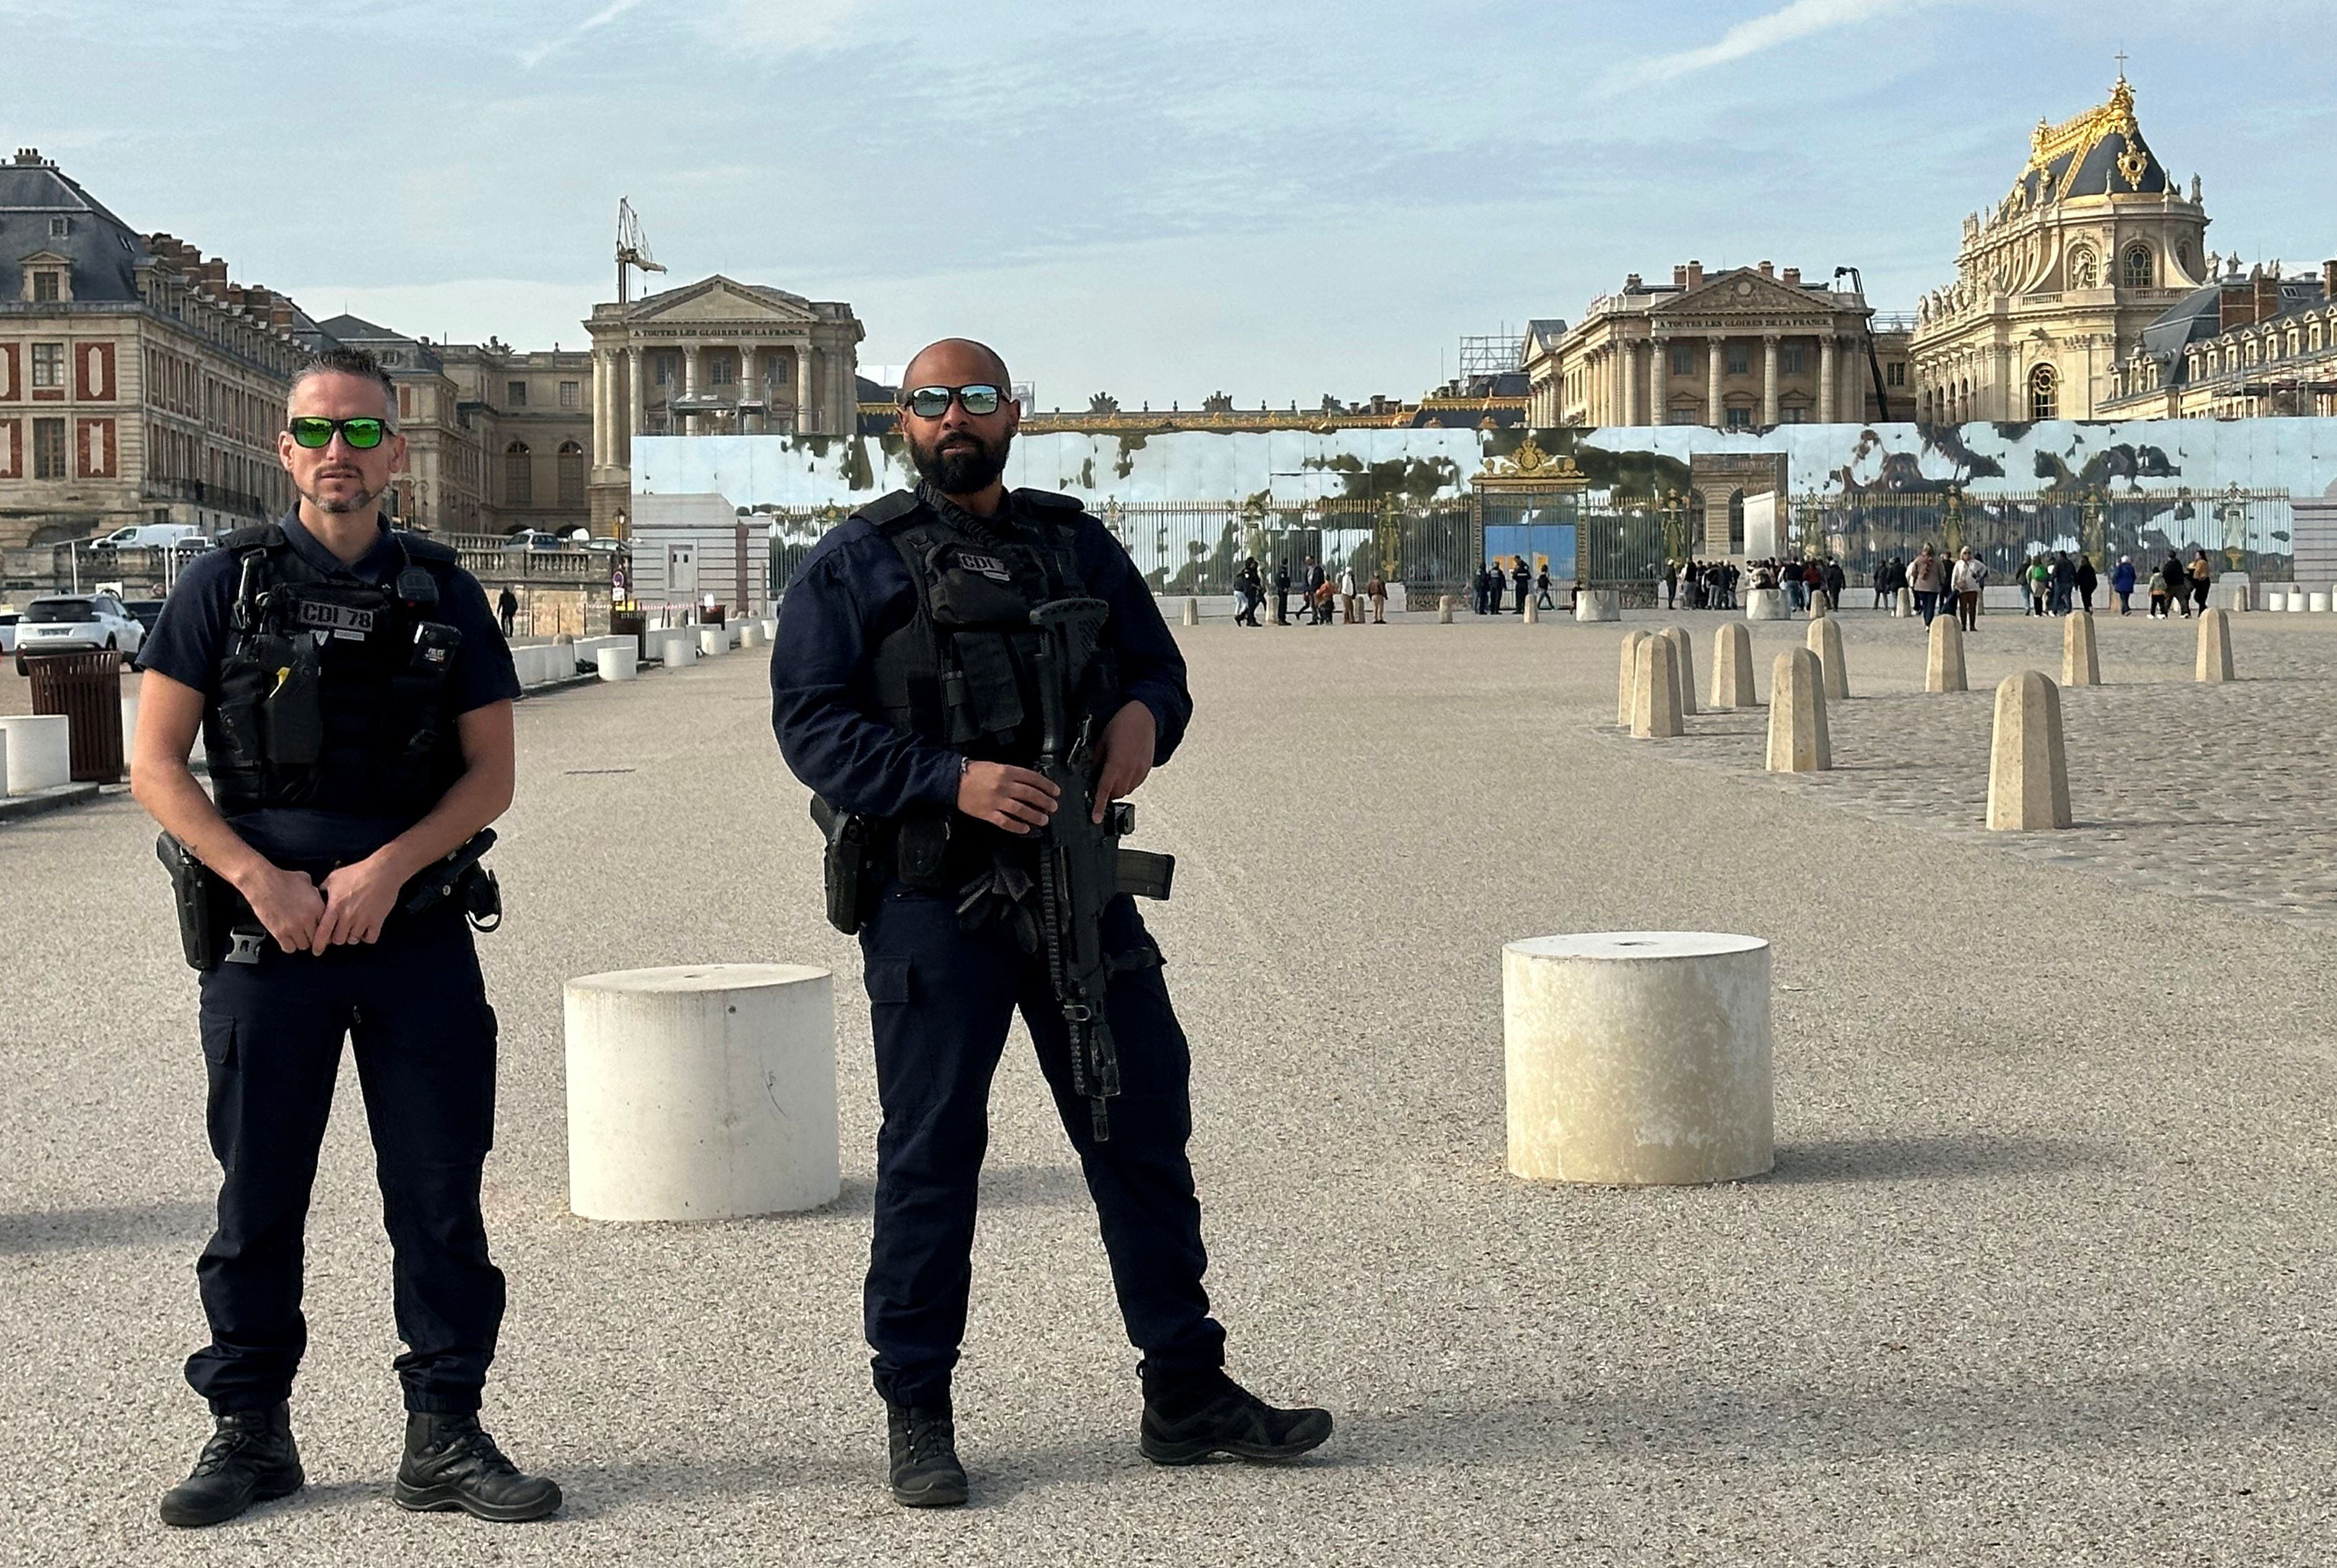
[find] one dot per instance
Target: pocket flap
(887, 979)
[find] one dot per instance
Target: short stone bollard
(1638, 1058)
(40, 751)
(1798, 741)
(617, 664)
(1732, 667)
(1444, 610)
(701, 1091)
(2317, 602)
(1943, 670)
(2296, 601)
(1684, 657)
(1903, 606)
(1818, 610)
(1656, 691)
(713, 641)
(1825, 642)
(1599, 604)
(1766, 604)
(750, 634)
(1533, 612)
(2081, 658)
(1192, 611)
(2028, 771)
(2215, 661)
(1628, 680)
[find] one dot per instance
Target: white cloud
(788, 26)
(1786, 25)
(531, 58)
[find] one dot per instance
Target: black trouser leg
(271, 1045)
(1141, 1178)
(426, 1056)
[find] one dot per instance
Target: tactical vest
(332, 694)
(962, 672)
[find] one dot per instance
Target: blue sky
(1273, 199)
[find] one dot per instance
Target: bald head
(956, 362)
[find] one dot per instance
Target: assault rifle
(1082, 866)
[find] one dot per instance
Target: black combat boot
(1189, 1417)
(926, 1471)
(250, 1458)
(451, 1463)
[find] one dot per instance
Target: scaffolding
(1498, 355)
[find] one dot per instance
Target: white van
(152, 537)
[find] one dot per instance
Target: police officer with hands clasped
(354, 698)
(971, 680)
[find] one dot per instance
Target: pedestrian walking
(2203, 576)
(2122, 583)
(1967, 580)
(1376, 590)
(1282, 593)
(2086, 581)
(1923, 576)
(1542, 600)
(506, 609)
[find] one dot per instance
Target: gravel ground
(2042, 1276)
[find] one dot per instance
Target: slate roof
(102, 249)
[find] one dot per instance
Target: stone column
(1630, 384)
(749, 389)
(1659, 366)
(803, 421)
(1715, 413)
(1826, 410)
(601, 376)
(690, 355)
(1768, 378)
(633, 400)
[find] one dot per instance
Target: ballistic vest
(332, 693)
(963, 671)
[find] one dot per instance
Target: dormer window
(48, 286)
(60, 226)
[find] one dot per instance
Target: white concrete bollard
(1732, 667)
(701, 1091)
(1599, 604)
(1903, 606)
(2275, 599)
(750, 634)
(1825, 642)
(1444, 610)
(680, 648)
(1655, 691)
(1628, 678)
(1684, 657)
(1192, 611)
(2028, 770)
(2081, 658)
(617, 664)
(1798, 738)
(40, 751)
(1533, 613)
(2296, 601)
(1638, 1058)
(713, 641)
(2215, 660)
(1766, 604)
(1944, 668)
(2317, 602)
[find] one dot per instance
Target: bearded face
(960, 462)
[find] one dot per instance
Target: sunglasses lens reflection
(978, 399)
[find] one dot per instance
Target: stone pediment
(1744, 292)
(719, 299)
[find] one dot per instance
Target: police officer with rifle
(971, 682)
(354, 694)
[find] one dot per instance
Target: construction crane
(632, 250)
(1873, 359)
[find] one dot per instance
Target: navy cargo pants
(939, 1002)
(425, 1038)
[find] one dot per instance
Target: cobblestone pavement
(2219, 793)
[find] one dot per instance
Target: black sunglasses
(933, 402)
(315, 433)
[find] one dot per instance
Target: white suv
(77, 624)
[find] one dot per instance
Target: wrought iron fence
(2251, 530)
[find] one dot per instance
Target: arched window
(2084, 272)
(2137, 272)
(2043, 401)
(1737, 522)
(572, 474)
(519, 475)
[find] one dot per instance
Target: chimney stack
(1680, 277)
(1632, 285)
(1695, 274)
(2266, 288)
(1767, 271)
(1792, 279)
(214, 276)
(2329, 278)
(30, 158)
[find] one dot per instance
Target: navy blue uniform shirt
(196, 630)
(853, 590)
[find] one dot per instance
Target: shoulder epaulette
(890, 508)
(256, 536)
(1050, 500)
(421, 548)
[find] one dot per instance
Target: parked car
(536, 539)
(8, 619)
(77, 624)
(603, 545)
(153, 536)
(147, 611)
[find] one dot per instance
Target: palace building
(2242, 347)
(716, 358)
(1745, 348)
(2055, 284)
(137, 384)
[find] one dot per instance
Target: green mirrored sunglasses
(363, 435)
(933, 402)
